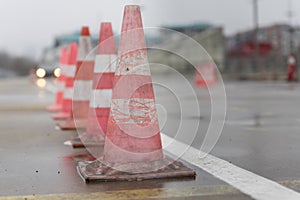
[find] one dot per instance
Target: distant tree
(20, 66)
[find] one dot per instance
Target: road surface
(258, 145)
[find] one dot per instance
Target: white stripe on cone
(101, 98)
(60, 86)
(70, 70)
(63, 69)
(84, 52)
(105, 63)
(68, 93)
(133, 65)
(83, 90)
(135, 111)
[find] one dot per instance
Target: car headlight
(57, 72)
(40, 73)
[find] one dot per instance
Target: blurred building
(274, 45)
(66, 39)
(50, 55)
(208, 38)
(196, 43)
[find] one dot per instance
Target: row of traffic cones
(111, 96)
(68, 70)
(57, 106)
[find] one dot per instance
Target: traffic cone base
(90, 140)
(80, 119)
(100, 170)
(77, 142)
(54, 108)
(70, 124)
(85, 140)
(61, 116)
(58, 104)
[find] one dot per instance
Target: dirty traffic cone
(66, 111)
(205, 75)
(291, 68)
(60, 82)
(82, 84)
(104, 70)
(132, 149)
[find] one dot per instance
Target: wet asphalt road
(261, 134)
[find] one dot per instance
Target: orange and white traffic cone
(60, 82)
(291, 68)
(104, 70)
(205, 75)
(133, 148)
(69, 71)
(82, 84)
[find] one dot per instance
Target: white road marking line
(240, 122)
(247, 182)
(256, 129)
(241, 109)
(250, 122)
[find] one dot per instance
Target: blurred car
(43, 71)
(49, 63)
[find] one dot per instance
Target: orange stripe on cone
(82, 84)
(60, 82)
(133, 131)
(69, 71)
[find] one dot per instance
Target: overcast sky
(29, 25)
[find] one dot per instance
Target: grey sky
(29, 25)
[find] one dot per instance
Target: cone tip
(85, 31)
(129, 8)
(132, 6)
(105, 23)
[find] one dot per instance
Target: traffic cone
(60, 81)
(70, 68)
(205, 75)
(104, 70)
(82, 84)
(291, 68)
(132, 149)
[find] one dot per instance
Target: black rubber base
(100, 171)
(77, 143)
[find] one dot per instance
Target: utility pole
(255, 35)
(291, 30)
